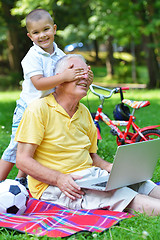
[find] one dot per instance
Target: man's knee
(155, 193)
(144, 204)
(135, 204)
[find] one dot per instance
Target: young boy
(39, 78)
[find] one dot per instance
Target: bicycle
(123, 118)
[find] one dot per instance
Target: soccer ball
(13, 197)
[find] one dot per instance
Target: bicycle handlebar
(111, 92)
(125, 88)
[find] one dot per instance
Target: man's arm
(26, 163)
(99, 162)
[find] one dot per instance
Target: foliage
(109, 18)
(8, 82)
(126, 22)
(105, 18)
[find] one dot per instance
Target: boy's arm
(99, 162)
(45, 83)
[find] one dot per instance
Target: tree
(110, 21)
(128, 21)
(148, 13)
(12, 34)
(109, 24)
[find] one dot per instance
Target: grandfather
(57, 144)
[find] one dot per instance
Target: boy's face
(42, 33)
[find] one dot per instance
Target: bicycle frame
(116, 131)
(123, 136)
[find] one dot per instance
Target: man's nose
(85, 75)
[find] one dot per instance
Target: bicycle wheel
(149, 134)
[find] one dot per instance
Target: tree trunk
(12, 38)
(13, 51)
(109, 59)
(134, 75)
(152, 63)
(96, 48)
(146, 13)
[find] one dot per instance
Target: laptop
(133, 163)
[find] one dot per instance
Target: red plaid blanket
(43, 218)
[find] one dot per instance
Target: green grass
(139, 227)
(7, 105)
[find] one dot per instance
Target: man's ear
(29, 36)
(71, 66)
(54, 28)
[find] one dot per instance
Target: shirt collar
(41, 51)
(51, 101)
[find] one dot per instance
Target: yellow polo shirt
(64, 143)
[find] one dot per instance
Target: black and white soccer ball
(13, 197)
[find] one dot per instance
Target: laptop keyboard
(102, 184)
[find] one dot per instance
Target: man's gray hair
(62, 63)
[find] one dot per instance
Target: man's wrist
(58, 176)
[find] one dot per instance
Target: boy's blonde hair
(37, 15)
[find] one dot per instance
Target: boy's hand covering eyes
(90, 75)
(72, 74)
